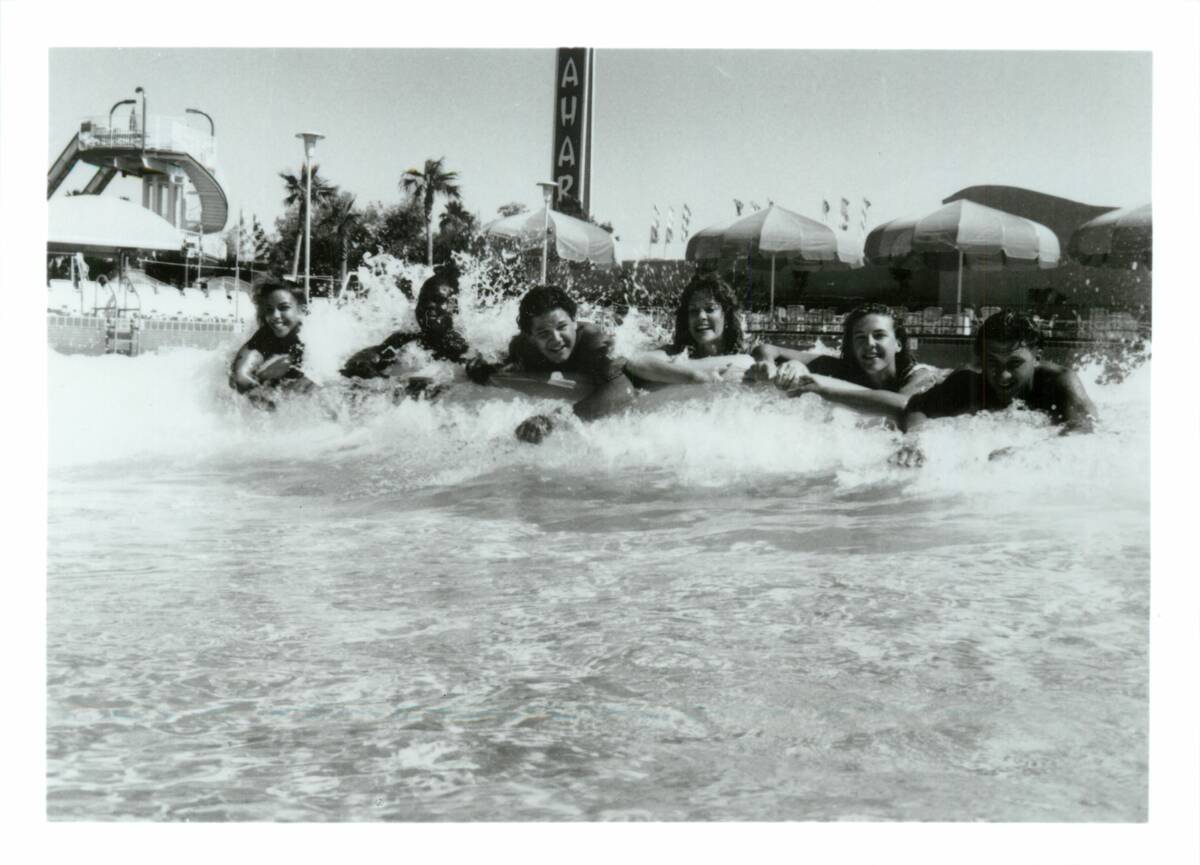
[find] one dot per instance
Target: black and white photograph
(609, 427)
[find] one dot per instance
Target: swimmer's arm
(242, 377)
(910, 454)
(854, 395)
(911, 421)
(877, 401)
(1079, 412)
(607, 398)
(610, 397)
(778, 354)
(658, 366)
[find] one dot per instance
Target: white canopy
(99, 225)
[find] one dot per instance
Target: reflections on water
(726, 608)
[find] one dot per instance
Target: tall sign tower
(572, 158)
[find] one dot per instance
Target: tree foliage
(425, 185)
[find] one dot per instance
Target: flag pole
(771, 322)
(237, 266)
(958, 297)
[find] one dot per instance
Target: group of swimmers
(876, 371)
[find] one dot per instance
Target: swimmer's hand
(367, 363)
(729, 372)
(243, 381)
(418, 387)
(480, 371)
(909, 456)
(790, 375)
(806, 384)
(276, 366)
(1001, 453)
(533, 430)
(761, 371)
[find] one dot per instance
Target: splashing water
(723, 604)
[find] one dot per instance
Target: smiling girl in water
(875, 371)
(272, 357)
(709, 345)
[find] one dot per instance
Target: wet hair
(733, 338)
(266, 285)
(445, 342)
(1008, 327)
(905, 359)
(541, 300)
(444, 276)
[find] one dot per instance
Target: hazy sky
(902, 128)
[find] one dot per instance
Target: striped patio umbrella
(572, 239)
(1121, 238)
(961, 235)
(774, 232)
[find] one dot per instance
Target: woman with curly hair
(710, 343)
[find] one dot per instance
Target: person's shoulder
(920, 378)
(588, 332)
(964, 375)
(592, 338)
(950, 396)
(1053, 376)
(827, 364)
(1053, 370)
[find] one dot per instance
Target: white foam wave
(176, 406)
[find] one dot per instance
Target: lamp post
(212, 127)
(548, 190)
(143, 92)
(310, 143)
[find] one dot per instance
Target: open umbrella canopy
(573, 239)
(965, 234)
(103, 225)
(1119, 238)
(774, 231)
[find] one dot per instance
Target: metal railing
(1091, 323)
(161, 133)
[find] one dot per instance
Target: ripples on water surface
(728, 609)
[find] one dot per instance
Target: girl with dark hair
(875, 371)
(709, 344)
(272, 357)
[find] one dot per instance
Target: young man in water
(1008, 349)
(437, 304)
(550, 340)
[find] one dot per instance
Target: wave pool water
(724, 608)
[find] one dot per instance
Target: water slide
(63, 165)
(134, 155)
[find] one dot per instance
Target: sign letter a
(569, 76)
(566, 153)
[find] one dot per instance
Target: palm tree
(342, 217)
(457, 216)
(322, 190)
(426, 185)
